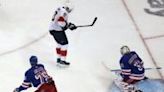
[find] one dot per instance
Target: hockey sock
(63, 52)
(58, 51)
(63, 55)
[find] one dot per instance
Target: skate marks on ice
(149, 85)
(24, 45)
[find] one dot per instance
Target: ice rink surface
(24, 32)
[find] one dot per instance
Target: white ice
(24, 32)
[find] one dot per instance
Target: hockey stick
(90, 24)
(117, 70)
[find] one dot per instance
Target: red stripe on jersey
(61, 19)
(25, 85)
(124, 73)
(126, 70)
(137, 78)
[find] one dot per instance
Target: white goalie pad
(149, 85)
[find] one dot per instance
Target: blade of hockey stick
(94, 21)
(90, 24)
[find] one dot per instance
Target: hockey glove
(50, 81)
(64, 28)
(72, 26)
(16, 90)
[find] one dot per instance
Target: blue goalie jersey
(34, 76)
(132, 66)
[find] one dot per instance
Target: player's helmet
(33, 60)
(68, 7)
(124, 50)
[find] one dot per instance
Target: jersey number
(139, 65)
(41, 76)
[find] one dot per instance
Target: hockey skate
(64, 62)
(58, 60)
(61, 63)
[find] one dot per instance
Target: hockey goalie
(131, 77)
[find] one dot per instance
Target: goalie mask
(124, 50)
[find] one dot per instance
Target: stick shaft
(115, 70)
(89, 24)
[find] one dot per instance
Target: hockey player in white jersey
(57, 28)
(132, 70)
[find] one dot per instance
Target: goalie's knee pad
(124, 87)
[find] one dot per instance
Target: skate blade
(62, 65)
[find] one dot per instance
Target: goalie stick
(119, 84)
(119, 70)
(88, 25)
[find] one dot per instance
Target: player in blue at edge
(132, 69)
(37, 76)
